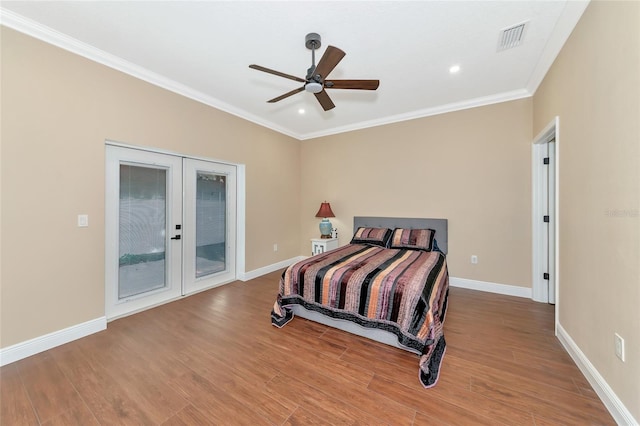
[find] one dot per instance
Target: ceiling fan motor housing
(312, 41)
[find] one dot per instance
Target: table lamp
(325, 225)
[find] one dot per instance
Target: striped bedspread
(397, 290)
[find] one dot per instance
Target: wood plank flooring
(214, 358)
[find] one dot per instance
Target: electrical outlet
(619, 345)
(474, 259)
(275, 247)
(83, 220)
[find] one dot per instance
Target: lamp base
(325, 228)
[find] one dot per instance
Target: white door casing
(545, 202)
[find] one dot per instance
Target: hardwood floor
(214, 358)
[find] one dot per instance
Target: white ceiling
(203, 49)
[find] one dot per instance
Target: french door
(170, 227)
(209, 255)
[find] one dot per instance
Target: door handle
(177, 237)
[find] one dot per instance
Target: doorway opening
(545, 213)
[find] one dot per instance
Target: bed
(389, 284)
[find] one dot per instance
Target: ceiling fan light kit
(313, 87)
(315, 81)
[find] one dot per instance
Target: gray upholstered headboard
(439, 225)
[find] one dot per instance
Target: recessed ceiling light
(301, 111)
(454, 69)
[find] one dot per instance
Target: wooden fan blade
(324, 100)
(286, 95)
(352, 84)
(329, 60)
(278, 73)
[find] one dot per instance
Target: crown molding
(36, 30)
(440, 109)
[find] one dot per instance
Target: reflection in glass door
(211, 210)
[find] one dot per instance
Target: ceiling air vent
(511, 37)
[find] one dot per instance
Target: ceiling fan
(316, 79)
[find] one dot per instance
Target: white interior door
(143, 208)
(170, 228)
(210, 232)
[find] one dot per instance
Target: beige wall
(594, 87)
(57, 111)
(472, 167)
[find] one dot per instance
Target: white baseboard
(268, 269)
(40, 344)
(508, 290)
(618, 411)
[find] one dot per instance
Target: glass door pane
(211, 198)
(143, 221)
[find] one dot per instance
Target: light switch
(83, 220)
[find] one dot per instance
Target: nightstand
(320, 245)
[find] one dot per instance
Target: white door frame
(240, 208)
(539, 192)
